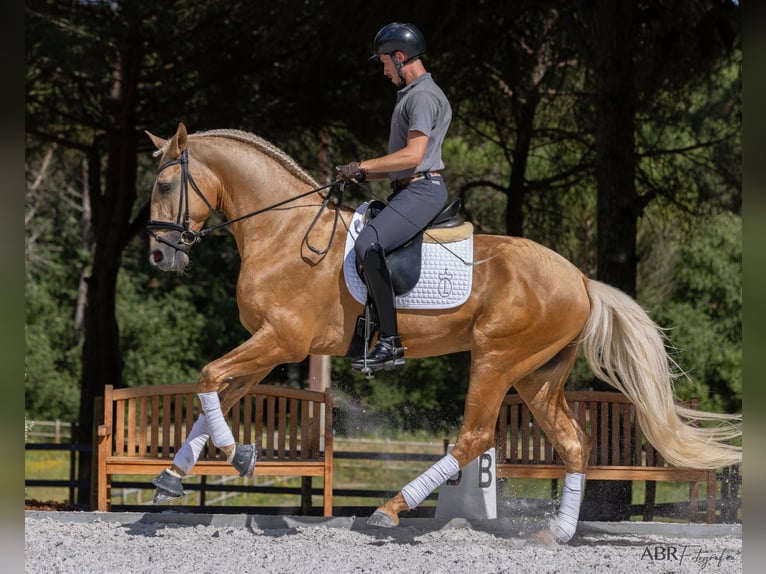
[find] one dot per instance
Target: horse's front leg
(168, 483)
(221, 385)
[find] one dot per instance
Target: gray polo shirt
(420, 106)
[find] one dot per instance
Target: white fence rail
(59, 431)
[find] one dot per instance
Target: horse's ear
(181, 137)
(158, 142)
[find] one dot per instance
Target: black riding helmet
(399, 37)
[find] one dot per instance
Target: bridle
(189, 237)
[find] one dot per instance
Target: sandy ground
(142, 543)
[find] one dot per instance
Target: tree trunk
(101, 356)
(514, 214)
(615, 109)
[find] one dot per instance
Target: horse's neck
(256, 187)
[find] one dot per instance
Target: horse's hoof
(168, 487)
(381, 519)
(244, 459)
(161, 496)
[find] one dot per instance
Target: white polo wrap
(565, 523)
(417, 490)
(188, 455)
(216, 424)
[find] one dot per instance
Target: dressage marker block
(471, 493)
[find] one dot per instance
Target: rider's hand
(351, 172)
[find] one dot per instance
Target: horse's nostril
(157, 256)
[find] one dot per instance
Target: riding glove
(351, 172)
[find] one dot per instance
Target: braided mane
(266, 147)
(261, 144)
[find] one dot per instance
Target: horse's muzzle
(167, 253)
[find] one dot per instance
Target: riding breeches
(408, 211)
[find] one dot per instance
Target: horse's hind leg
(543, 392)
(477, 434)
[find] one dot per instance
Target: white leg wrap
(417, 490)
(188, 455)
(216, 424)
(565, 523)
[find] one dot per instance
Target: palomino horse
(528, 313)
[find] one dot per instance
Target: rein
(189, 237)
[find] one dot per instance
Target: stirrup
(388, 355)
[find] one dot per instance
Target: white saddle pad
(445, 281)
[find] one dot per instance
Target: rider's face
(389, 68)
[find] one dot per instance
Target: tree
(518, 93)
(615, 33)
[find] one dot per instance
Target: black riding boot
(388, 352)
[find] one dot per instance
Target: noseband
(189, 237)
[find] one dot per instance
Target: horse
(528, 315)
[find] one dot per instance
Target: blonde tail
(626, 349)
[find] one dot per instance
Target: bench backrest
(154, 421)
(609, 419)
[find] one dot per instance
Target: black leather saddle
(405, 262)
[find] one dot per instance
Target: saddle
(405, 262)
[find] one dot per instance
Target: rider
(419, 123)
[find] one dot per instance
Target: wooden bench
(142, 428)
(619, 450)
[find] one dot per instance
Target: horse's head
(177, 215)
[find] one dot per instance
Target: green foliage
(700, 302)
(160, 334)
(705, 312)
(426, 394)
(696, 165)
(52, 358)
(477, 171)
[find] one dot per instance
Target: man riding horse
(413, 163)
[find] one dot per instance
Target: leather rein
(189, 237)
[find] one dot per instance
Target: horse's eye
(164, 188)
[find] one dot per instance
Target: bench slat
(609, 472)
(281, 420)
(294, 428)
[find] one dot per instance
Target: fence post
(73, 451)
(306, 495)
(98, 419)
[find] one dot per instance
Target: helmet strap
(399, 65)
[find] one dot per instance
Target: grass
(47, 465)
(389, 476)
